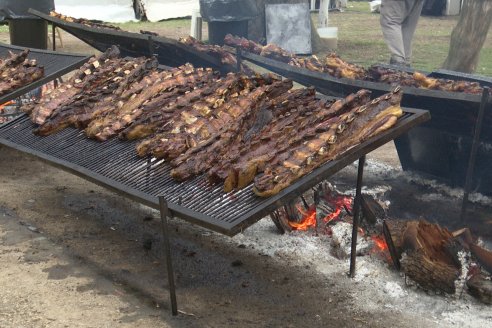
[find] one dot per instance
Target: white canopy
(117, 11)
(157, 10)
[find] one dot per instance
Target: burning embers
(329, 212)
(429, 255)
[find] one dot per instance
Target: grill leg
(473, 152)
(53, 35)
(355, 226)
(167, 250)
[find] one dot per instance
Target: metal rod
(167, 250)
(473, 152)
(239, 58)
(53, 35)
(356, 209)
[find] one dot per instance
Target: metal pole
(355, 225)
(167, 250)
(53, 35)
(239, 58)
(473, 152)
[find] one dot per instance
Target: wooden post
(323, 13)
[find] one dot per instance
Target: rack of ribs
(17, 71)
(86, 77)
(295, 124)
(83, 21)
(205, 117)
(158, 91)
(332, 138)
(99, 100)
(202, 157)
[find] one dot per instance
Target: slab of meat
(98, 100)
(17, 71)
(198, 103)
(337, 67)
(204, 118)
(298, 125)
(215, 51)
(85, 78)
(334, 137)
(83, 21)
(201, 158)
(161, 90)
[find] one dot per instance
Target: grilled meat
(335, 136)
(203, 156)
(301, 124)
(159, 91)
(99, 100)
(203, 119)
(86, 77)
(335, 66)
(215, 51)
(83, 21)
(17, 71)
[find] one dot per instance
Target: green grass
(360, 39)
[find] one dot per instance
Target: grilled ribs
(86, 77)
(203, 118)
(17, 71)
(83, 21)
(215, 51)
(164, 89)
(335, 66)
(202, 157)
(99, 100)
(334, 136)
(287, 130)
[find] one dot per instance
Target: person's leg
(409, 26)
(392, 16)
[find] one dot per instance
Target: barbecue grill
(167, 51)
(439, 148)
(55, 65)
(115, 165)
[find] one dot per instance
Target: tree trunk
(469, 35)
(323, 13)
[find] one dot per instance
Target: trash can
(25, 29)
(227, 16)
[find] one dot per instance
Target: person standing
(398, 22)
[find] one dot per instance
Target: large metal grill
(440, 147)
(55, 65)
(168, 51)
(114, 164)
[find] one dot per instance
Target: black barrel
(227, 16)
(26, 30)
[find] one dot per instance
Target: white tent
(117, 11)
(157, 10)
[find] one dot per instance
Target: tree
(469, 35)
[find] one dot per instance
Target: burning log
(427, 254)
(480, 287)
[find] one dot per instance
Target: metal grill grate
(55, 65)
(114, 164)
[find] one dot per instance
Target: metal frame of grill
(115, 165)
(55, 65)
(167, 51)
(430, 148)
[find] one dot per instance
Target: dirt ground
(76, 255)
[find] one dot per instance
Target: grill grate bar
(115, 163)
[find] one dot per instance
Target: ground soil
(73, 254)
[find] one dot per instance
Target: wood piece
(481, 288)
(427, 254)
(371, 210)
